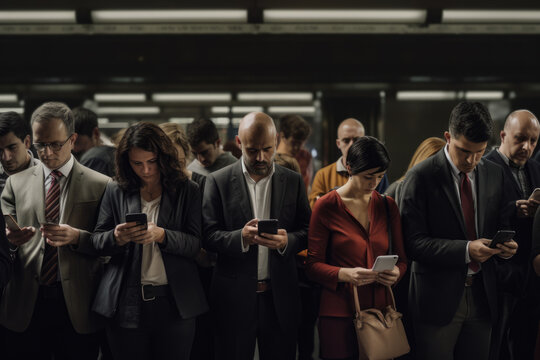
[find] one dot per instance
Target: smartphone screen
(11, 224)
(139, 218)
(502, 236)
(269, 226)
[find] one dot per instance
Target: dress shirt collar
(64, 169)
(248, 176)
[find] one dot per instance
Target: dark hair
(85, 121)
(148, 137)
(367, 153)
(54, 110)
(202, 130)
(12, 122)
(295, 126)
(472, 120)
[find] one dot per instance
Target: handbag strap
(357, 301)
(388, 227)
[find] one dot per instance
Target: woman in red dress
(348, 230)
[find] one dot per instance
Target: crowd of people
(133, 252)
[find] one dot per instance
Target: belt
(470, 280)
(263, 286)
(150, 292)
(51, 291)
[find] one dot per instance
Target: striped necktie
(49, 268)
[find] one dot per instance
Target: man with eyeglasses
(15, 141)
(45, 308)
(335, 175)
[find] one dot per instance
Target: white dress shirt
(152, 267)
(260, 196)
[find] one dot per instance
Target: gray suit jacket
(80, 268)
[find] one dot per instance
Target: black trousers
(162, 334)
(50, 333)
(233, 342)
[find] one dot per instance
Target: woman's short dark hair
(367, 153)
(151, 138)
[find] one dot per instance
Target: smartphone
(269, 226)
(385, 262)
(535, 195)
(502, 236)
(139, 218)
(11, 224)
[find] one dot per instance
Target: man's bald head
(256, 124)
(348, 131)
(257, 137)
(519, 136)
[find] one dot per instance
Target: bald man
(519, 323)
(335, 175)
(254, 293)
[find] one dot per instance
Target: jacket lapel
(481, 201)
(507, 172)
(38, 189)
(444, 176)
(240, 191)
(278, 192)
(166, 209)
(73, 183)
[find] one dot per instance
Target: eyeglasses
(55, 146)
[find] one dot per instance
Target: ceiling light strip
(38, 17)
(345, 15)
(169, 16)
(490, 16)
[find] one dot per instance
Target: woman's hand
(153, 234)
(388, 277)
(357, 276)
(126, 232)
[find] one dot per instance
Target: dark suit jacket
(434, 232)
(120, 290)
(522, 226)
(226, 209)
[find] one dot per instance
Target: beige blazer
(80, 268)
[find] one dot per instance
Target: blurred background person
(427, 148)
(294, 131)
(335, 175)
(203, 342)
(15, 143)
(151, 289)
(89, 148)
(348, 230)
(205, 145)
(231, 147)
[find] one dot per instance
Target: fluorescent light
(115, 125)
(490, 16)
(169, 16)
(187, 97)
(220, 109)
(236, 109)
(426, 95)
(101, 121)
(291, 109)
(345, 15)
(236, 121)
(18, 110)
(220, 120)
(269, 96)
(484, 95)
(129, 110)
(246, 109)
(120, 97)
(8, 98)
(181, 120)
(38, 16)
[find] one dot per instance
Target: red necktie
(49, 268)
(467, 206)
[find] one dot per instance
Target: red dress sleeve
(318, 242)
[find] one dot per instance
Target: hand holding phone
(139, 218)
(11, 224)
(269, 226)
(535, 195)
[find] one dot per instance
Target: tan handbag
(380, 334)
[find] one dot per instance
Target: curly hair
(151, 138)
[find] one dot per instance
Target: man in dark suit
(254, 291)
(6, 257)
(451, 207)
(518, 325)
